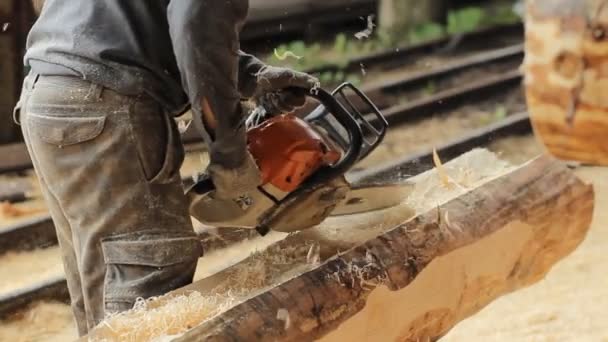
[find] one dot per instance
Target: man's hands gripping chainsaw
(276, 90)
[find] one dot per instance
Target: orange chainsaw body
(288, 150)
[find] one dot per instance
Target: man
(96, 113)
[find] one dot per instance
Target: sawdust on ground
(44, 322)
(23, 269)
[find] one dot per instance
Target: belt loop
(17, 113)
(31, 80)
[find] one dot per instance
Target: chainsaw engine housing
(288, 151)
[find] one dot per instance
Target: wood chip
(445, 179)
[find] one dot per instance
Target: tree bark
(566, 77)
(417, 280)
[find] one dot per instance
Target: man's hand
(281, 90)
(233, 183)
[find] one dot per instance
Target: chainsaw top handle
(352, 151)
(340, 115)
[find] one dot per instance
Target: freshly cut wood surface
(567, 78)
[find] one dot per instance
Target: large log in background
(566, 77)
(415, 281)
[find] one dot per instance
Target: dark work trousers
(108, 167)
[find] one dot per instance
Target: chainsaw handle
(352, 154)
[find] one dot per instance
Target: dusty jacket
(176, 51)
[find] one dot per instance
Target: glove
(281, 90)
(235, 183)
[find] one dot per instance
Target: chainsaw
(303, 160)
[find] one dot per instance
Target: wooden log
(406, 281)
(566, 77)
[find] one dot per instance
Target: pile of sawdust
(23, 269)
(10, 210)
(171, 315)
(265, 268)
(49, 322)
(465, 173)
(220, 259)
(161, 318)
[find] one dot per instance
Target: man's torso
(122, 45)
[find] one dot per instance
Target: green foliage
(340, 44)
(465, 20)
(424, 32)
(500, 113)
(345, 47)
(430, 88)
(502, 14)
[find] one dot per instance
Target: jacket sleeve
(205, 37)
(249, 66)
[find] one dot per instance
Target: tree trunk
(407, 281)
(566, 77)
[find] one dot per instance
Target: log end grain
(566, 69)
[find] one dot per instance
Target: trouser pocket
(158, 142)
(147, 264)
(65, 131)
(17, 113)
